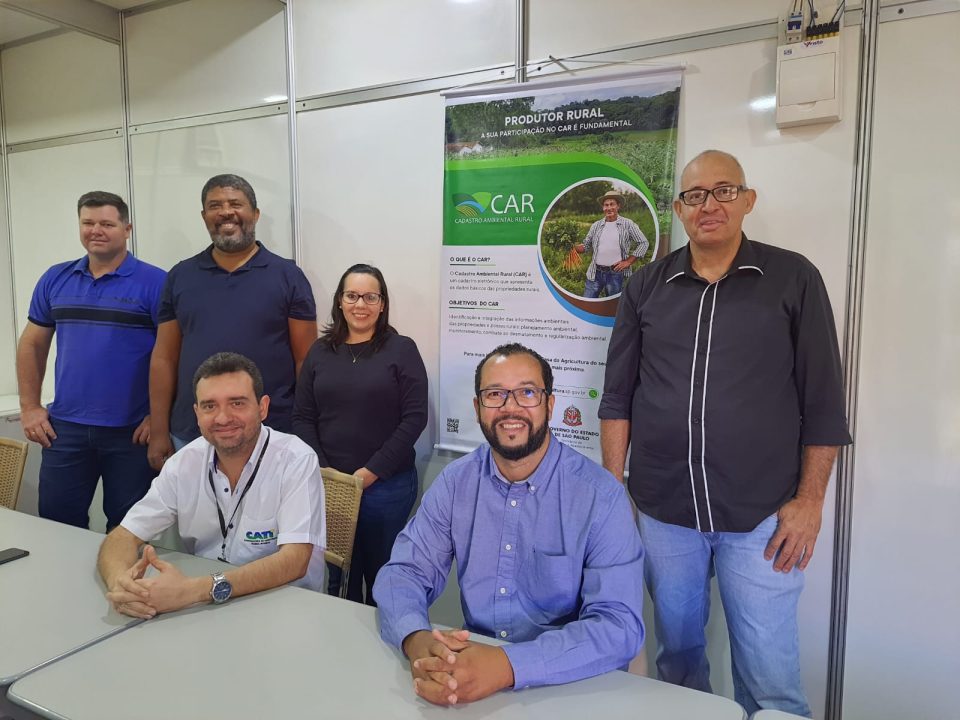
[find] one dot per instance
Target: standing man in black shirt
(723, 375)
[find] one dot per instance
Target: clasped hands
(448, 668)
(132, 594)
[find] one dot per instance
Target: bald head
(715, 223)
(736, 169)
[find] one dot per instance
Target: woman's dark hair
(336, 332)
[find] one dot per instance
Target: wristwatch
(221, 590)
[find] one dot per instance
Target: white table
(775, 715)
(292, 653)
(52, 602)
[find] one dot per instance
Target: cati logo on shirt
(260, 537)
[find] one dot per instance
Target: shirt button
(513, 503)
(503, 633)
(226, 489)
(503, 591)
(508, 546)
(533, 488)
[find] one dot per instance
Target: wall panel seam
(851, 357)
(125, 128)
(8, 211)
(293, 156)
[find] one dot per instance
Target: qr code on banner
(453, 425)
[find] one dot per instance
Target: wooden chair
(13, 458)
(342, 495)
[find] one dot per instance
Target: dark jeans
(384, 510)
(605, 280)
(78, 458)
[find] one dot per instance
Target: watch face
(221, 591)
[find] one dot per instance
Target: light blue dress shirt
(554, 565)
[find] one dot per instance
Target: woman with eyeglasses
(361, 404)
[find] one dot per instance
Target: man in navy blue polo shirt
(235, 296)
(103, 309)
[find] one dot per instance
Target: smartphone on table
(11, 554)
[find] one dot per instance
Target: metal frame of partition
(7, 220)
(868, 17)
(853, 311)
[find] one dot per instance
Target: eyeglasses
(724, 194)
(524, 397)
(351, 297)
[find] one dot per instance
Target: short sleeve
(302, 304)
(158, 509)
(156, 295)
(167, 310)
(40, 312)
(302, 516)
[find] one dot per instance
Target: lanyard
(223, 523)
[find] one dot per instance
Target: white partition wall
(8, 330)
(347, 45)
(373, 196)
(204, 56)
(65, 85)
(903, 627)
(171, 167)
(205, 92)
(59, 86)
(189, 63)
(561, 28)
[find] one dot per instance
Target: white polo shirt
(284, 504)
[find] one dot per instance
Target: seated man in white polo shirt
(241, 493)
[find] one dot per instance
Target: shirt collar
(125, 268)
(746, 260)
(260, 259)
(539, 479)
(254, 456)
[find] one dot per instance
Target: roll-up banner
(555, 194)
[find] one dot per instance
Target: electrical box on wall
(808, 81)
(808, 63)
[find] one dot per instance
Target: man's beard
(236, 243)
(535, 438)
(227, 448)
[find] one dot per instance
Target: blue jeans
(610, 281)
(73, 464)
(760, 607)
(384, 509)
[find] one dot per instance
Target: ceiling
(16, 26)
(125, 4)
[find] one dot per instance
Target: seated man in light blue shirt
(548, 555)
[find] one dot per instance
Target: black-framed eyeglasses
(724, 194)
(524, 397)
(351, 297)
